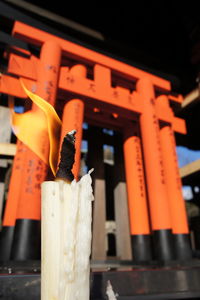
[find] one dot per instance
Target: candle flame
(39, 130)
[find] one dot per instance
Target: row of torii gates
(83, 78)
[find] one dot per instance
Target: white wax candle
(66, 239)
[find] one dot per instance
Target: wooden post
(72, 118)
(123, 241)
(8, 223)
(137, 198)
(95, 156)
(73, 115)
(26, 242)
(174, 189)
(157, 191)
(9, 218)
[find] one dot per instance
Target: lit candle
(66, 231)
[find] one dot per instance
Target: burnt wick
(67, 157)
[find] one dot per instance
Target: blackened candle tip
(67, 157)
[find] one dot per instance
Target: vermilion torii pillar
(156, 184)
(73, 115)
(26, 242)
(72, 119)
(174, 189)
(137, 197)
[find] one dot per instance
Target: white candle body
(66, 239)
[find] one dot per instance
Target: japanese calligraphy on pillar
(160, 159)
(173, 143)
(139, 165)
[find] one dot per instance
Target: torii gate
(84, 79)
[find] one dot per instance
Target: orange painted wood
(21, 66)
(35, 170)
(79, 86)
(72, 119)
(135, 181)
(27, 187)
(26, 67)
(156, 183)
(10, 212)
(173, 180)
(73, 116)
(38, 37)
